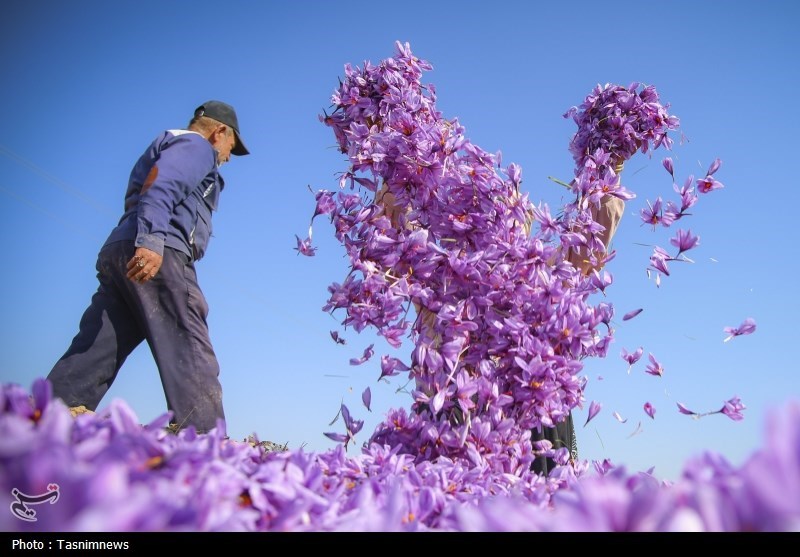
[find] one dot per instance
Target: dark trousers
(561, 435)
(169, 311)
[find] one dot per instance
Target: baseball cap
(225, 114)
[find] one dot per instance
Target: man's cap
(225, 114)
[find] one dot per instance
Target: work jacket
(172, 192)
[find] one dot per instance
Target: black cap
(225, 114)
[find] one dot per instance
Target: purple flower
(390, 366)
(747, 327)
(304, 246)
(658, 260)
(683, 410)
(684, 241)
(336, 338)
(714, 167)
(667, 162)
(325, 203)
(632, 357)
(594, 408)
(733, 409)
(653, 214)
(708, 184)
(368, 353)
(650, 410)
(654, 367)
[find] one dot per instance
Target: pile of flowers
(106, 472)
(445, 250)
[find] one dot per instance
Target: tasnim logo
(20, 507)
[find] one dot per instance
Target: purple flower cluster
(446, 250)
(114, 474)
(501, 322)
(620, 121)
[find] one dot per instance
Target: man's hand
(144, 265)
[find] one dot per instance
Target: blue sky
(88, 84)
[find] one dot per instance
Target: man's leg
(107, 335)
(174, 310)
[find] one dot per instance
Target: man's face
(223, 140)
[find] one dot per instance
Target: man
(148, 286)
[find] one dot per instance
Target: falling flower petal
(636, 431)
(683, 410)
(632, 314)
(594, 408)
(619, 418)
(366, 398)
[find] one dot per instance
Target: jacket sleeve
(180, 168)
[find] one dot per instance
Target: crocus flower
(714, 166)
(304, 247)
(667, 162)
(747, 327)
(654, 367)
(733, 409)
(594, 408)
(653, 214)
(368, 352)
(708, 184)
(684, 241)
(632, 357)
(650, 410)
(336, 338)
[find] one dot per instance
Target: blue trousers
(169, 311)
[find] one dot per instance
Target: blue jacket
(172, 191)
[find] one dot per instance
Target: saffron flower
(654, 367)
(632, 357)
(684, 241)
(650, 410)
(336, 338)
(667, 162)
(733, 409)
(708, 184)
(594, 408)
(747, 327)
(368, 353)
(304, 247)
